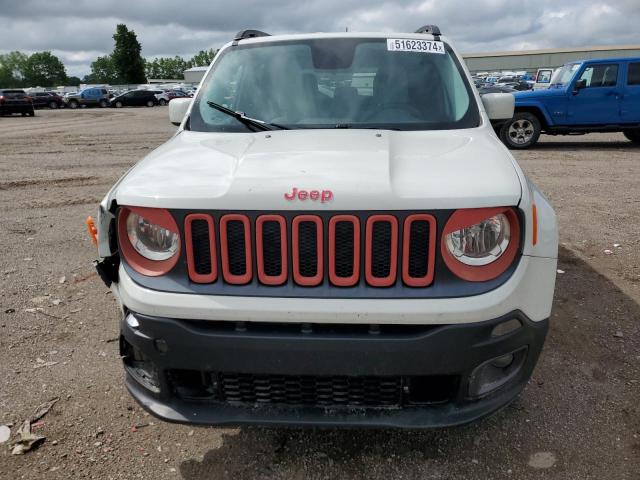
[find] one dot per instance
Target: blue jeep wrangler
(600, 95)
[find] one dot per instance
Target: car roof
(322, 35)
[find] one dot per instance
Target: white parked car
(304, 251)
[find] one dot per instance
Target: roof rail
(432, 29)
(242, 34)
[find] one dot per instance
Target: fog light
(503, 361)
(495, 373)
(506, 327)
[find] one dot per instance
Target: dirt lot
(579, 418)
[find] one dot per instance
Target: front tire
(162, 102)
(53, 105)
(150, 103)
(633, 135)
(73, 105)
(118, 104)
(104, 104)
(521, 132)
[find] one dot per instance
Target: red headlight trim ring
(142, 265)
(468, 217)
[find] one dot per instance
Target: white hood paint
(365, 170)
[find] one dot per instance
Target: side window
(600, 75)
(634, 74)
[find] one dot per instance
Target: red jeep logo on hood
(315, 195)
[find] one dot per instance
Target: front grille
(418, 255)
(308, 249)
(236, 248)
(312, 250)
(272, 244)
(381, 250)
(201, 246)
(344, 249)
(326, 391)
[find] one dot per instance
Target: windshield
(336, 83)
(564, 74)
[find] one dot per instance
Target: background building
(531, 60)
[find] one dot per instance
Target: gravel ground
(579, 417)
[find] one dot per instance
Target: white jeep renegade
(334, 236)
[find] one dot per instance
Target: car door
(128, 99)
(595, 95)
(88, 96)
(630, 105)
(140, 97)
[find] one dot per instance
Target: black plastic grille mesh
(271, 248)
(418, 248)
(310, 390)
(344, 232)
(381, 249)
(308, 249)
(201, 246)
(236, 247)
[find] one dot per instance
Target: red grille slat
(425, 280)
(229, 277)
(354, 278)
(299, 278)
(390, 279)
(191, 266)
(260, 260)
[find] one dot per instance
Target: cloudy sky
(80, 30)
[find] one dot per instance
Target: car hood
(363, 169)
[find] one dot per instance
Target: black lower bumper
(232, 373)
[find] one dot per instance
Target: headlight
(151, 240)
(148, 239)
(482, 243)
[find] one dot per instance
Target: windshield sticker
(419, 46)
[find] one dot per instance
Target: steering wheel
(403, 107)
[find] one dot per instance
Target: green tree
(203, 58)
(12, 67)
(103, 70)
(44, 69)
(126, 58)
(74, 81)
(167, 68)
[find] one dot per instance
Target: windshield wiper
(248, 121)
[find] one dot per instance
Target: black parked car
(496, 89)
(519, 85)
(15, 101)
(47, 99)
(135, 98)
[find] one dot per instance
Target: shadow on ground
(577, 418)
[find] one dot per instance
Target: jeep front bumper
(233, 373)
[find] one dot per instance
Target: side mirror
(580, 84)
(178, 109)
(499, 106)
